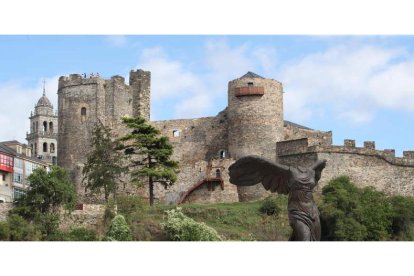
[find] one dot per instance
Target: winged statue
(297, 182)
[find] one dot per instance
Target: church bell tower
(43, 131)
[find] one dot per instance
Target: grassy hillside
(233, 221)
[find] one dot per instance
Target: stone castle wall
(91, 216)
(251, 124)
(315, 137)
(4, 210)
(365, 166)
(82, 102)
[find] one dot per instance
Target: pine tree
(150, 155)
(103, 166)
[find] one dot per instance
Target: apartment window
(3, 176)
(18, 163)
(17, 193)
(17, 178)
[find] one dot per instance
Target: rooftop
(250, 74)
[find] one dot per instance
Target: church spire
(44, 88)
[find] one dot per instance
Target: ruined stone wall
(365, 166)
(196, 139)
(191, 174)
(315, 137)
(91, 216)
(4, 210)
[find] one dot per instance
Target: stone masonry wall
(91, 216)
(4, 210)
(196, 139)
(364, 166)
(102, 100)
(315, 137)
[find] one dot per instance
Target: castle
(252, 123)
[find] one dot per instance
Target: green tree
(352, 213)
(150, 155)
(103, 166)
(403, 217)
(48, 192)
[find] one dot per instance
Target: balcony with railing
(43, 134)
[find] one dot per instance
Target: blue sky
(360, 87)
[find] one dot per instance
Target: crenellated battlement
(301, 146)
(78, 80)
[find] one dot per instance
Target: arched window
(37, 126)
(44, 147)
(44, 126)
(34, 127)
(52, 147)
(222, 154)
(83, 114)
(51, 127)
(218, 173)
(35, 149)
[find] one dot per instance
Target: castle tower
(140, 84)
(42, 138)
(85, 101)
(255, 113)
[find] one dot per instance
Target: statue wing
(318, 167)
(251, 170)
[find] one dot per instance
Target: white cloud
(352, 81)
(226, 62)
(348, 82)
(116, 40)
(196, 95)
(194, 107)
(168, 79)
(18, 102)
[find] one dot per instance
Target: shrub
(179, 227)
(4, 231)
(128, 205)
(270, 206)
(21, 230)
(82, 234)
(47, 224)
(118, 230)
